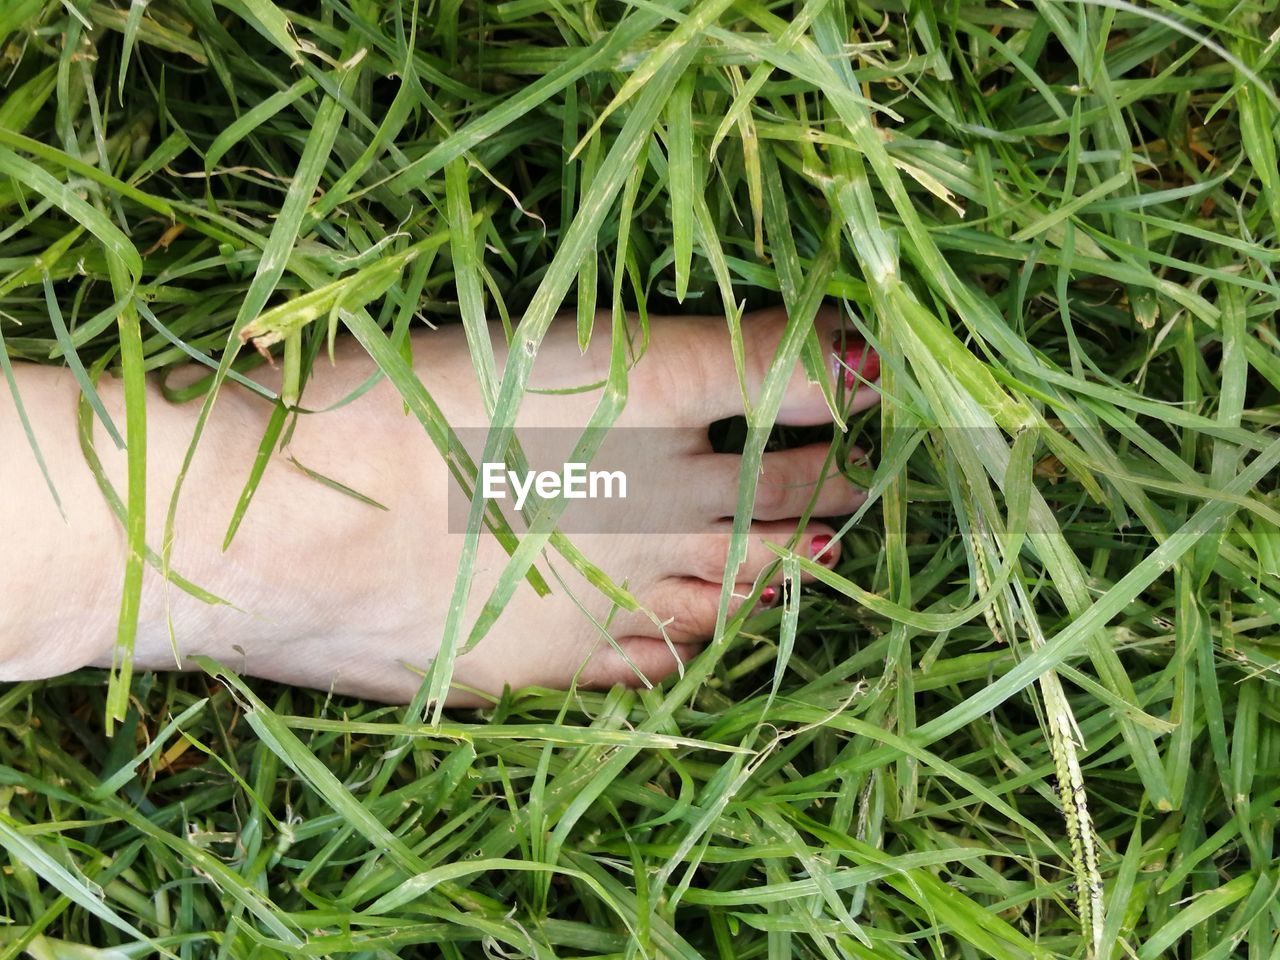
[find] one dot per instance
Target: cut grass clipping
(1033, 713)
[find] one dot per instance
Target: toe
(635, 661)
(704, 555)
(856, 366)
(694, 368)
(686, 609)
(790, 483)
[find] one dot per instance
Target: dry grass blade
(1033, 711)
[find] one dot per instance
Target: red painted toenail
(817, 546)
(768, 595)
(860, 364)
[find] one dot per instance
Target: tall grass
(1033, 712)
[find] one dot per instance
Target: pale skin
(330, 593)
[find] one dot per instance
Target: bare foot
(331, 592)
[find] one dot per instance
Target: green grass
(1033, 713)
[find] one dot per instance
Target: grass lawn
(1034, 712)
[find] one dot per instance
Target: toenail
(768, 595)
(817, 546)
(859, 363)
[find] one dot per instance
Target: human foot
(334, 593)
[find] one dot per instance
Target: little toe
(635, 661)
(684, 609)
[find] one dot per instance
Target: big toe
(696, 369)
